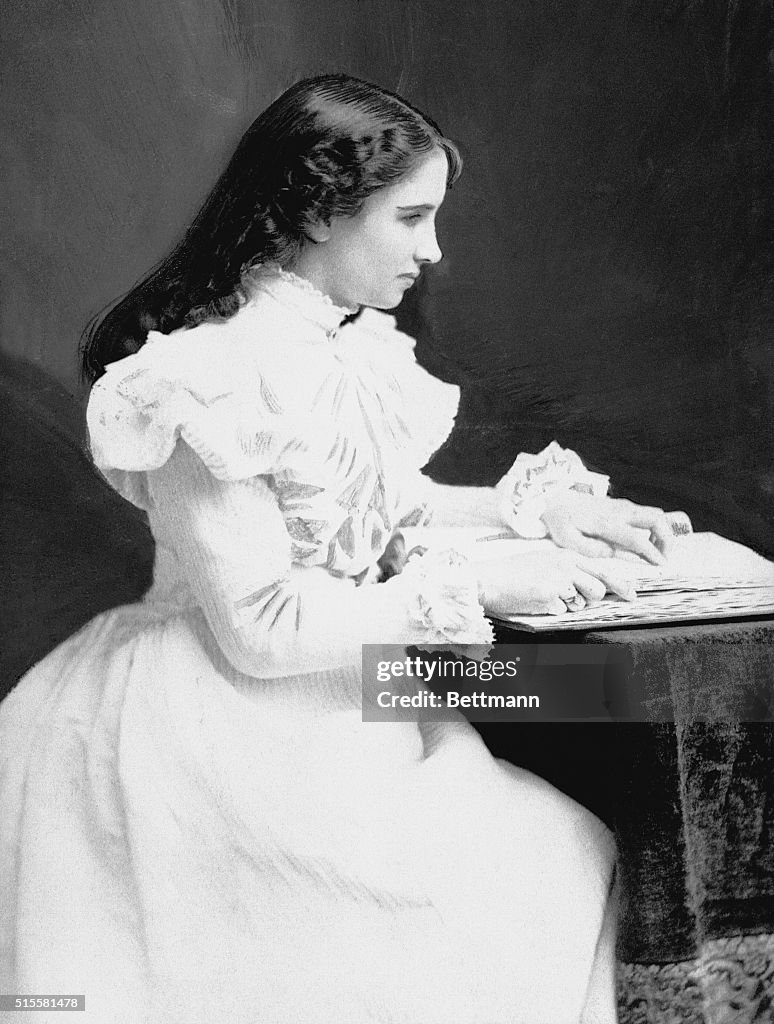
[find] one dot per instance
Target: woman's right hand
(549, 582)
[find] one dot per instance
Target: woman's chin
(388, 301)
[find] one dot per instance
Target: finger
(680, 523)
(653, 519)
(589, 587)
(592, 547)
(576, 603)
(614, 582)
(621, 535)
(556, 607)
(569, 537)
(675, 524)
(637, 515)
(546, 595)
(662, 537)
(664, 533)
(656, 521)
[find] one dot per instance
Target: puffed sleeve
(272, 618)
(145, 402)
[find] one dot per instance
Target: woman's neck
(312, 266)
(297, 293)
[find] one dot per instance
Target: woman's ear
(317, 231)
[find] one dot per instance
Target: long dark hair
(317, 152)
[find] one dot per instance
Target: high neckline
(298, 294)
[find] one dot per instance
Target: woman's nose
(428, 250)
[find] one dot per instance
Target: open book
(705, 577)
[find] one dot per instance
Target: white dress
(197, 825)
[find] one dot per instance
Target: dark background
(609, 248)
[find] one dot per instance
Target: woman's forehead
(424, 185)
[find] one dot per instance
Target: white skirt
(185, 845)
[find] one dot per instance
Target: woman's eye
(412, 218)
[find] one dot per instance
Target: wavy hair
(319, 151)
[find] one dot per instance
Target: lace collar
(298, 294)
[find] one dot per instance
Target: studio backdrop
(608, 249)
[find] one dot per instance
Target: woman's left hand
(599, 527)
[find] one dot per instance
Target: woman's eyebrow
(419, 206)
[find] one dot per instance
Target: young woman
(197, 824)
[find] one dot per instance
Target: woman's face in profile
(373, 258)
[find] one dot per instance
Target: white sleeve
(449, 505)
(271, 618)
(184, 385)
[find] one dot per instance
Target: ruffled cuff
(523, 492)
(444, 599)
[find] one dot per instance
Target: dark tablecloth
(691, 803)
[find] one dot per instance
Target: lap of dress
(184, 844)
